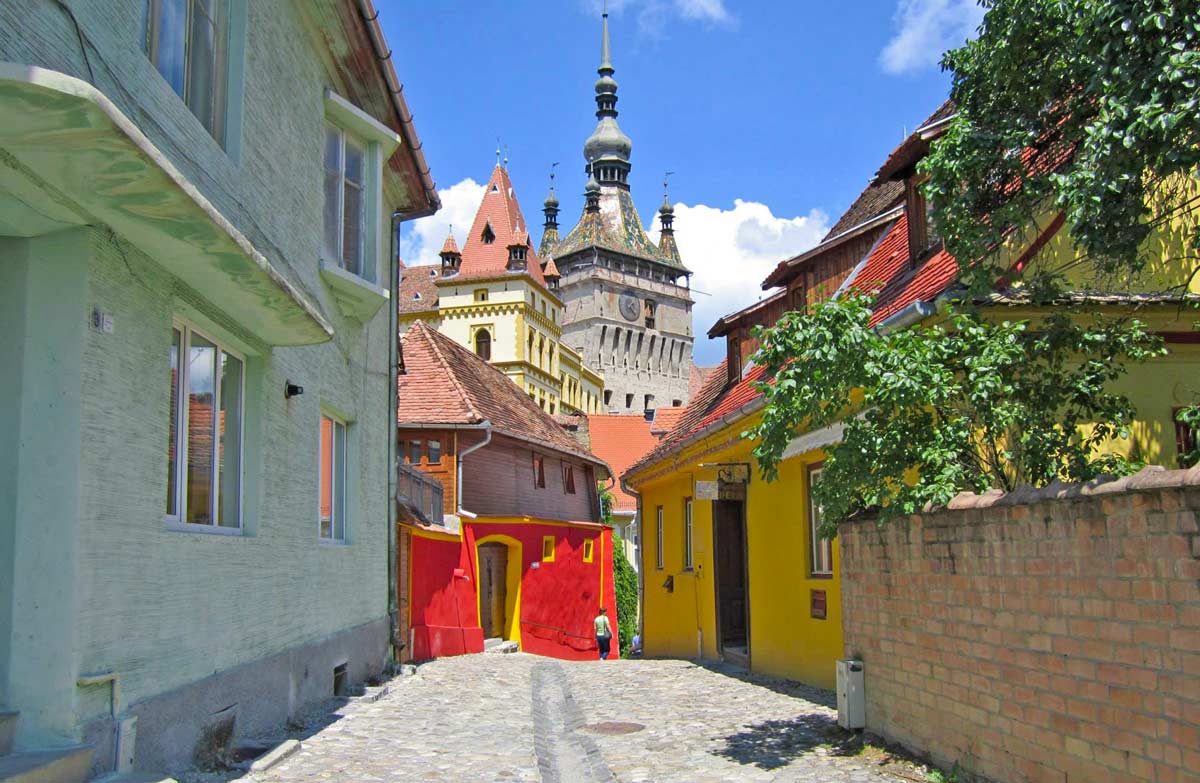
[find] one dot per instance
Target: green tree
(1106, 93)
(932, 411)
(625, 581)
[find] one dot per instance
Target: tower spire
(607, 149)
(550, 226)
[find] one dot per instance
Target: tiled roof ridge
(428, 333)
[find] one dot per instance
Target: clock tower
(627, 306)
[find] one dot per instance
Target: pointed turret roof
(615, 226)
(500, 212)
(449, 246)
(550, 270)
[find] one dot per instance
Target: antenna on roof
(666, 176)
(497, 150)
(505, 156)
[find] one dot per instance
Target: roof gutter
(755, 405)
(486, 426)
(370, 17)
(913, 313)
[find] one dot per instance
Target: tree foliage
(625, 580)
(1106, 92)
(931, 411)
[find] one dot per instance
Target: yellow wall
(784, 639)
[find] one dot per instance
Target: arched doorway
(498, 569)
(493, 593)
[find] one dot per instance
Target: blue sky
(773, 115)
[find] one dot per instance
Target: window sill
(332, 542)
(356, 297)
(820, 576)
(175, 526)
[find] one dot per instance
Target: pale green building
(198, 200)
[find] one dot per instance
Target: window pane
(168, 24)
(173, 427)
(229, 429)
(326, 489)
(414, 452)
(339, 481)
(202, 365)
(435, 451)
(202, 65)
(333, 189)
(352, 209)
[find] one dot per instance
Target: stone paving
(511, 718)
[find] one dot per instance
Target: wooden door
(493, 570)
(729, 529)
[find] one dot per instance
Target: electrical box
(851, 700)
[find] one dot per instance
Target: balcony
(421, 493)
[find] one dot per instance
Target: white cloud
(652, 15)
(731, 251)
(927, 29)
(421, 240)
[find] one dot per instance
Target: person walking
(603, 633)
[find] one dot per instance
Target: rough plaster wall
(591, 314)
(165, 608)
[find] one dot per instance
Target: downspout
(393, 600)
(486, 426)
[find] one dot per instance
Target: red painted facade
(558, 598)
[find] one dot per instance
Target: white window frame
(816, 543)
(178, 520)
(689, 555)
(379, 143)
(658, 554)
(222, 24)
(333, 538)
(366, 226)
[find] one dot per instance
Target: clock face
(630, 307)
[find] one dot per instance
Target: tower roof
(607, 141)
(500, 212)
(449, 246)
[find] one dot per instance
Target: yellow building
(731, 564)
(498, 298)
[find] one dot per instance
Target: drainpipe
(486, 426)
(393, 600)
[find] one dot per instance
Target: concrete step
(8, 729)
(135, 777)
(499, 646)
(60, 765)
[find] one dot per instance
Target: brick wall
(1039, 636)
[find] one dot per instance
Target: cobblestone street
(520, 717)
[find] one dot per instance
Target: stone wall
(1049, 635)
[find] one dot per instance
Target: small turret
(451, 257)
(550, 226)
(591, 192)
(550, 272)
(666, 217)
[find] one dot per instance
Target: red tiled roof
(500, 210)
(551, 270)
(450, 246)
(887, 274)
(418, 289)
(621, 441)
(444, 383)
(665, 420)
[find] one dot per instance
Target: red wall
(559, 599)
(443, 610)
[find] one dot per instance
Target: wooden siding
(498, 481)
(445, 470)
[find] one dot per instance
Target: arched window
(483, 345)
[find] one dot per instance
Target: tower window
(651, 308)
(481, 294)
(488, 236)
(628, 401)
(483, 345)
(608, 396)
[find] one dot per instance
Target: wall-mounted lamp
(291, 390)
